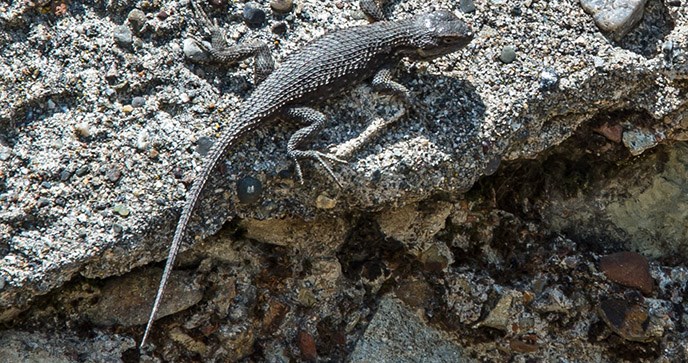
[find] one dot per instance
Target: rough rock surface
(487, 215)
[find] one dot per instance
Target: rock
(503, 314)
(630, 321)
(123, 36)
(253, 16)
(61, 347)
(617, 17)
(629, 269)
(122, 299)
(394, 329)
(281, 6)
(508, 54)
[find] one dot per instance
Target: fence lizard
(322, 69)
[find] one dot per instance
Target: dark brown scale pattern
(321, 70)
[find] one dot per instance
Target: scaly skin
(322, 69)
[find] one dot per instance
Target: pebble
(65, 175)
(325, 202)
(163, 14)
(508, 54)
(137, 18)
(82, 171)
(5, 153)
(281, 6)
(617, 17)
(121, 209)
(123, 36)
(628, 269)
(307, 346)
(127, 108)
(249, 190)
(492, 166)
(203, 145)
(467, 6)
(113, 175)
(627, 319)
(42, 202)
(637, 141)
(549, 79)
(279, 28)
(82, 129)
(192, 51)
(138, 101)
(253, 16)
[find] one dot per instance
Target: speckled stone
(629, 269)
(616, 17)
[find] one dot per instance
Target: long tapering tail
(227, 140)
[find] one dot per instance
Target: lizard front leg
(316, 122)
(221, 52)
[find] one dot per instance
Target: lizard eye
(448, 40)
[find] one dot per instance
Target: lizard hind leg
(316, 122)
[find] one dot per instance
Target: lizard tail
(227, 140)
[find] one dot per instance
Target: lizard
(320, 70)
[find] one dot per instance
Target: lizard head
(436, 34)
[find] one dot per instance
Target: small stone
(249, 190)
(549, 79)
(82, 129)
(617, 17)
(281, 6)
(193, 52)
(307, 346)
(117, 229)
(508, 54)
(82, 171)
(467, 6)
(203, 145)
(492, 166)
(113, 175)
(127, 108)
(628, 269)
(628, 320)
(65, 175)
(522, 347)
(121, 209)
(163, 14)
(46, 185)
(137, 18)
(138, 101)
(323, 201)
(637, 141)
(253, 16)
(184, 97)
(123, 36)
(611, 132)
(279, 28)
(42, 202)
